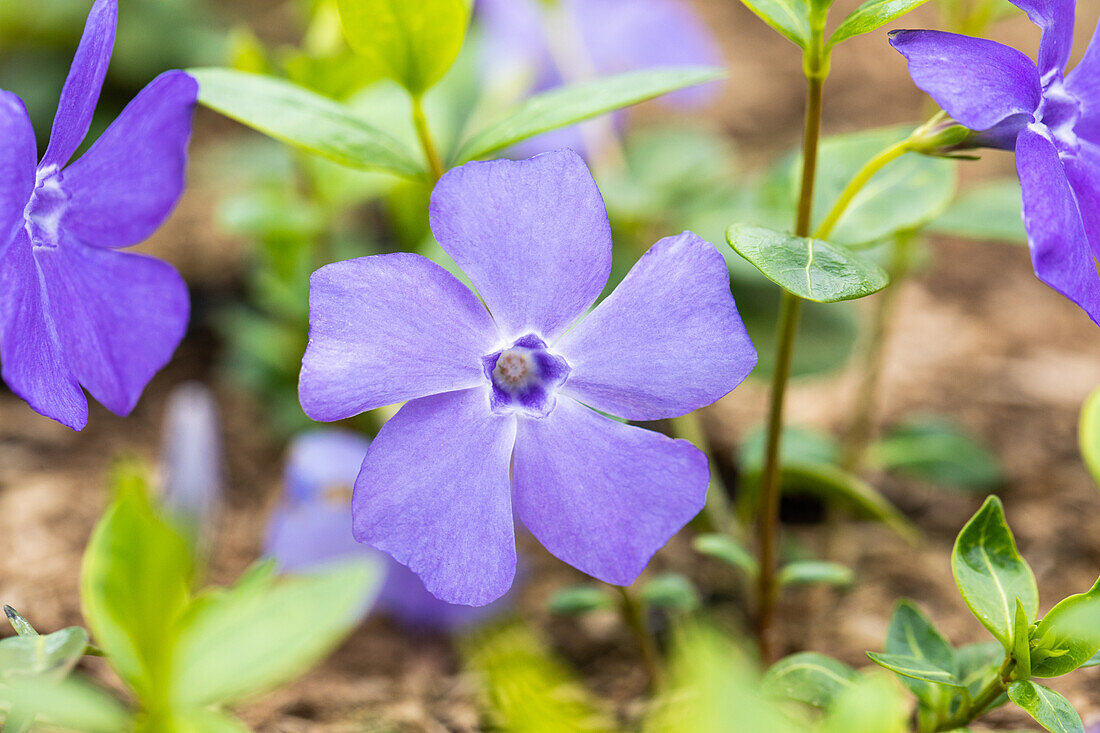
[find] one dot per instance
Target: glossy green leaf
(577, 600)
(990, 212)
(991, 574)
(69, 705)
(579, 102)
(935, 450)
(135, 583)
(870, 16)
(910, 633)
(225, 650)
(1047, 707)
(20, 624)
(1021, 642)
(809, 268)
(810, 678)
(915, 668)
(812, 572)
(872, 705)
(414, 43)
(1068, 637)
(301, 118)
(728, 550)
(50, 657)
(1088, 434)
(789, 17)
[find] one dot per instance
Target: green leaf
(671, 592)
(809, 268)
(569, 105)
(1093, 662)
(789, 17)
(1068, 637)
(872, 705)
(979, 664)
(577, 600)
(1047, 707)
(414, 43)
(987, 212)
(728, 550)
(915, 668)
(256, 636)
(809, 572)
(299, 117)
(206, 721)
(50, 657)
(70, 705)
(910, 633)
(1088, 434)
(990, 573)
(799, 446)
(1021, 642)
(134, 584)
(936, 450)
(810, 678)
(870, 16)
(20, 624)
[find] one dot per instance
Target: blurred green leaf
(979, 664)
(1088, 434)
(910, 633)
(251, 638)
(915, 668)
(577, 600)
(135, 583)
(1047, 707)
(991, 574)
(207, 721)
(809, 268)
(49, 658)
(989, 212)
(414, 43)
(670, 592)
(1093, 662)
(789, 17)
(936, 450)
(870, 16)
(568, 105)
(70, 705)
(810, 678)
(799, 445)
(728, 550)
(301, 118)
(1069, 635)
(871, 705)
(810, 572)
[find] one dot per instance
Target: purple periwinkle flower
(502, 393)
(312, 527)
(74, 312)
(1050, 118)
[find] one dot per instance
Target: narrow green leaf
(789, 17)
(20, 624)
(69, 705)
(936, 450)
(577, 600)
(299, 117)
(1021, 642)
(870, 16)
(1068, 637)
(226, 650)
(809, 268)
(991, 574)
(1047, 707)
(579, 102)
(1088, 434)
(915, 668)
(990, 212)
(729, 551)
(809, 572)
(910, 633)
(810, 678)
(414, 43)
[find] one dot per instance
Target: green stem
(985, 699)
(634, 615)
(420, 121)
(866, 173)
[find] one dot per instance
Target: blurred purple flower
(571, 40)
(73, 311)
(1052, 121)
(312, 526)
(499, 406)
(192, 461)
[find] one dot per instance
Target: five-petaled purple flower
(73, 311)
(312, 527)
(1052, 121)
(502, 398)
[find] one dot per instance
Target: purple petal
(603, 496)
(129, 181)
(978, 82)
(323, 462)
(1059, 246)
(404, 597)
(1055, 18)
(1084, 83)
(434, 493)
(18, 157)
(119, 317)
(666, 342)
(532, 235)
(389, 328)
(81, 91)
(30, 353)
(1083, 171)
